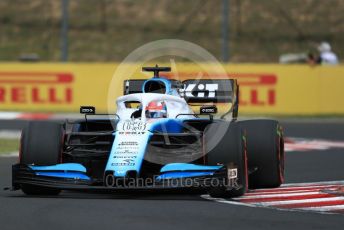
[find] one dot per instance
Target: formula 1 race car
(155, 141)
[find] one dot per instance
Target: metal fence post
(64, 30)
(225, 31)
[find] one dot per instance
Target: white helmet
(324, 47)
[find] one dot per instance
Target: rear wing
(194, 91)
(198, 91)
(213, 91)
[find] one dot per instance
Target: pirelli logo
(256, 89)
(36, 87)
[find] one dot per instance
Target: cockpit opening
(156, 109)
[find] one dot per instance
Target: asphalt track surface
(178, 211)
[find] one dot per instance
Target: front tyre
(225, 144)
(265, 152)
(41, 144)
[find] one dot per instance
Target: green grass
(108, 30)
(8, 145)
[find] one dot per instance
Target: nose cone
(129, 148)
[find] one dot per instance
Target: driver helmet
(156, 110)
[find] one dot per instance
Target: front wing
(24, 175)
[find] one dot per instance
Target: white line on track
(254, 193)
(324, 208)
(284, 202)
(340, 182)
(8, 115)
(10, 134)
(243, 198)
(13, 154)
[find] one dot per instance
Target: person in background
(326, 57)
(311, 59)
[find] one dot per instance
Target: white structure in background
(326, 54)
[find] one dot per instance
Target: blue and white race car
(155, 141)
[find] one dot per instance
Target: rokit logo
(207, 90)
(200, 90)
(132, 133)
(256, 89)
(36, 88)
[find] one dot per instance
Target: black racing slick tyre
(225, 144)
(265, 153)
(41, 144)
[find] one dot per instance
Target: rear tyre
(41, 144)
(265, 153)
(225, 144)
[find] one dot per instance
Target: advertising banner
(264, 89)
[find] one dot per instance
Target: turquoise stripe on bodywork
(70, 175)
(188, 167)
(175, 175)
(60, 167)
(167, 126)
